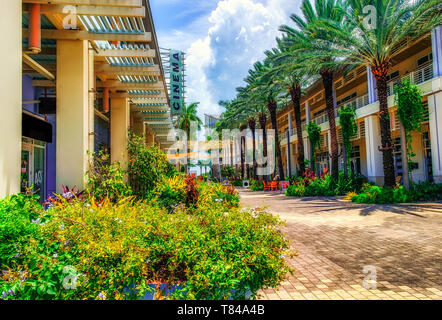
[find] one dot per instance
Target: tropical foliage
(331, 36)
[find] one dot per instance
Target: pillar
(11, 95)
(375, 169)
(92, 91)
(307, 145)
(138, 128)
(372, 85)
(119, 129)
(435, 105)
(73, 114)
(308, 115)
(290, 123)
(436, 39)
(335, 102)
(435, 110)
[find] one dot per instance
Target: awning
(35, 128)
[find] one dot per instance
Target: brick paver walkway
(335, 239)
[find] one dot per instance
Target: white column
(335, 102)
(11, 97)
(72, 113)
(372, 85)
(308, 115)
(307, 144)
(375, 169)
(436, 39)
(435, 110)
(290, 124)
(119, 129)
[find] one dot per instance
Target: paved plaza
(335, 239)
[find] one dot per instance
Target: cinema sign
(176, 81)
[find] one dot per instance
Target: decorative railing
(356, 103)
(419, 76)
(321, 119)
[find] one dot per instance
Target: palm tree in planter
(372, 42)
(304, 43)
(270, 90)
(292, 76)
(189, 115)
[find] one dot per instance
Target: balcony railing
(321, 119)
(419, 76)
(356, 103)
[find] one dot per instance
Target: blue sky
(222, 39)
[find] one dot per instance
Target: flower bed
(204, 248)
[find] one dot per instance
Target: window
(425, 59)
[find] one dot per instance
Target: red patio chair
(266, 186)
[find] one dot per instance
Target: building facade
(421, 62)
(77, 76)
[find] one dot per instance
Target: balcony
(421, 75)
(356, 103)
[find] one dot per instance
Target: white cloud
(222, 46)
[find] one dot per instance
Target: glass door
(26, 167)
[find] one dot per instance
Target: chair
(266, 186)
(274, 186)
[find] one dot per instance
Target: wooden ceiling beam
(118, 85)
(84, 35)
(108, 70)
(37, 67)
(84, 10)
(135, 53)
(103, 3)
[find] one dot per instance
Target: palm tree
(304, 43)
(188, 116)
(269, 90)
(361, 43)
(252, 127)
(291, 76)
(243, 151)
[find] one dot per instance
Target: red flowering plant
(192, 194)
(69, 195)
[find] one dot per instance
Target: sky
(221, 39)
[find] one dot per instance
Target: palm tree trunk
(243, 155)
(252, 126)
(295, 92)
(380, 74)
(327, 79)
(272, 106)
(263, 124)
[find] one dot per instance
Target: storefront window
(33, 167)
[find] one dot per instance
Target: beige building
(421, 62)
(77, 75)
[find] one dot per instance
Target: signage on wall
(176, 81)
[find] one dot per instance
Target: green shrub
(426, 191)
(107, 179)
(312, 186)
(170, 193)
(19, 218)
(256, 185)
(104, 248)
(418, 192)
(382, 195)
(147, 166)
(237, 183)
